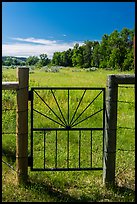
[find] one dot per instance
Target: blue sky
(33, 28)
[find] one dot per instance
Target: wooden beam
(10, 85)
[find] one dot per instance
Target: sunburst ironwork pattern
(57, 114)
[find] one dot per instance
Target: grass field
(65, 186)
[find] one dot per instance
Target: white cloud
(35, 47)
(34, 40)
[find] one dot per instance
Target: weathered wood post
(22, 126)
(109, 160)
(110, 132)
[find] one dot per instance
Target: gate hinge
(30, 97)
(30, 161)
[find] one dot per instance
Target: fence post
(110, 132)
(22, 126)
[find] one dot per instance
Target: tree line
(115, 51)
(40, 61)
(15, 61)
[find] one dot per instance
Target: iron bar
(58, 106)
(64, 129)
(104, 115)
(86, 108)
(68, 107)
(87, 117)
(48, 117)
(66, 88)
(31, 142)
(68, 150)
(56, 152)
(79, 145)
(78, 106)
(44, 149)
(49, 107)
(66, 169)
(91, 150)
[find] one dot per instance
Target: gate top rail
(69, 88)
(65, 129)
(122, 78)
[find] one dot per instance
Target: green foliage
(114, 51)
(39, 62)
(14, 61)
(77, 57)
(129, 61)
(32, 60)
(62, 58)
(43, 60)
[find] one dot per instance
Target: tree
(115, 51)
(43, 61)
(8, 61)
(127, 36)
(77, 57)
(87, 51)
(128, 63)
(96, 56)
(56, 59)
(69, 53)
(66, 58)
(114, 59)
(115, 48)
(32, 60)
(104, 51)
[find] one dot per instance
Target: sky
(34, 28)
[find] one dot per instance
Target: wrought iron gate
(67, 128)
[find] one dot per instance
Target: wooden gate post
(109, 160)
(22, 126)
(110, 132)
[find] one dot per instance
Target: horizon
(58, 26)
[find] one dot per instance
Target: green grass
(67, 186)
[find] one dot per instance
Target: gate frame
(68, 128)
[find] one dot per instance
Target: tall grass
(69, 186)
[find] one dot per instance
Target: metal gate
(67, 128)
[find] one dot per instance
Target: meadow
(69, 186)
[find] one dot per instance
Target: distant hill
(15, 61)
(12, 57)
